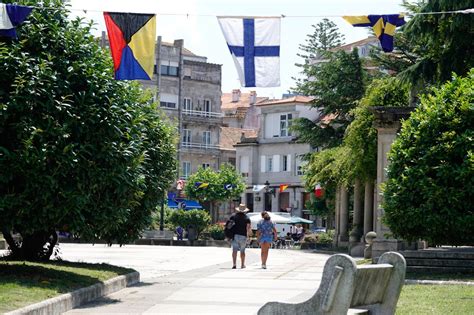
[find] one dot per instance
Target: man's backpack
(229, 229)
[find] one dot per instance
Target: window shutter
(262, 163)
(288, 161)
(276, 163)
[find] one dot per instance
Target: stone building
(190, 95)
(273, 157)
(240, 110)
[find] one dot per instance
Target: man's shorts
(239, 243)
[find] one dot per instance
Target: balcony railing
(200, 113)
(195, 145)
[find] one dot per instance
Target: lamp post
(268, 199)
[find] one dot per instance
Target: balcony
(200, 115)
(199, 146)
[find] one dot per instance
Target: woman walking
(266, 234)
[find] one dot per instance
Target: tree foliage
(442, 42)
(199, 219)
(216, 191)
(429, 191)
(337, 84)
(79, 151)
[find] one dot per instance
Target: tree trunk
(38, 246)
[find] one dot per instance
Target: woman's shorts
(266, 239)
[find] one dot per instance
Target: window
(285, 124)
(207, 106)
(299, 166)
(187, 104)
(186, 136)
(244, 165)
(186, 169)
(169, 70)
(270, 164)
(205, 165)
(206, 138)
(168, 100)
(286, 163)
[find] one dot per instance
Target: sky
(195, 21)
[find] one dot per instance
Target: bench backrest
(377, 287)
(344, 285)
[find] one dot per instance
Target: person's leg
(242, 258)
(265, 249)
(234, 258)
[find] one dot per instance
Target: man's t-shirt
(241, 220)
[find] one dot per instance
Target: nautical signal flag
(201, 185)
(229, 186)
(318, 191)
(255, 47)
(132, 44)
(283, 187)
(384, 26)
(12, 15)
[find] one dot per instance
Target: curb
(68, 301)
(439, 282)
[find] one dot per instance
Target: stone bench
(348, 288)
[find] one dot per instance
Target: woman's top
(266, 228)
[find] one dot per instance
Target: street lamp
(268, 189)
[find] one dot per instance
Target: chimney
(253, 97)
(235, 95)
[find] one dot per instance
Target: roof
(185, 51)
(290, 100)
(244, 101)
(348, 47)
(231, 136)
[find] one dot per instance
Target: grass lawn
(436, 299)
(24, 283)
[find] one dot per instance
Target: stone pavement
(198, 280)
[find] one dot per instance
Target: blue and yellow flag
(201, 185)
(384, 26)
(132, 44)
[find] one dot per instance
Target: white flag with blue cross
(254, 43)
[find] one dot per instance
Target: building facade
(190, 94)
(273, 158)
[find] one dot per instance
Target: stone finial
(370, 236)
(253, 97)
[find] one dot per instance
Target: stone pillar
(337, 215)
(358, 212)
(387, 123)
(368, 206)
(344, 216)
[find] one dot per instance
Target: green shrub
(429, 191)
(200, 219)
(325, 238)
(216, 231)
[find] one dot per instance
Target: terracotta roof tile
(231, 136)
(244, 101)
(294, 99)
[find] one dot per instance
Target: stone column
(358, 212)
(337, 228)
(387, 123)
(368, 206)
(343, 215)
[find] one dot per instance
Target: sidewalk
(198, 280)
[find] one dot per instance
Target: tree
(225, 184)
(326, 36)
(337, 85)
(429, 191)
(199, 219)
(79, 151)
(442, 42)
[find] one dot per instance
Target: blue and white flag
(11, 16)
(255, 47)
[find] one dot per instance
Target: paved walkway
(198, 280)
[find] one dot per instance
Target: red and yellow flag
(283, 187)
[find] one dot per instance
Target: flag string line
(466, 11)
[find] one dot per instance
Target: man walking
(242, 230)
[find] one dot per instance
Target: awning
(187, 204)
(296, 220)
